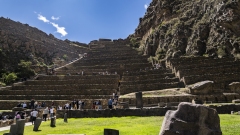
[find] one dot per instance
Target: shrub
(65, 56)
(9, 78)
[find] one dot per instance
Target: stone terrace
(147, 80)
(94, 77)
(195, 69)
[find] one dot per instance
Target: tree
(24, 69)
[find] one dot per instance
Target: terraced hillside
(94, 77)
(112, 66)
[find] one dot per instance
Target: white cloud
(145, 6)
(60, 30)
(55, 18)
(42, 18)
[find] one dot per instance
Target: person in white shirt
(45, 113)
(34, 114)
(24, 105)
(51, 112)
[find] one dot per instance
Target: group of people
(112, 102)
(97, 105)
(33, 104)
(74, 105)
(46, 113)
(6, 117)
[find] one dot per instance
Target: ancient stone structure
(190, 119)
(53, 122)
(94, 78)
(139, 101)
(37, 123)
(111, 131)
(65, 118)
(18, 128)
(108, 66)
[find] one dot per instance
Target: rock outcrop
(191, 119)
(170, 29)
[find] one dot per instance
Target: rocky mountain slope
(22, 42)
(174, 28)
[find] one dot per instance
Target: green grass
(95, 126)
(230, 125)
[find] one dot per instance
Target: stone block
(53, 122)
(37, 123)
(65, 118)
(13, 129)
(20, 126)
(111, 132)
(161, 104)
(204, 87)
(139, 100)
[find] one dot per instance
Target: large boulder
(191, 119)
(204, 87)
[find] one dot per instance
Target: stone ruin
(191, 119)
(121, 68)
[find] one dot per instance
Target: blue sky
(78, 20)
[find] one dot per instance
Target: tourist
(59, 107)
(113, 94)
(83, 103)
(110, 103)
(24, 105)
(34, 114)
(67, 106)
(51, 112)
(99, 104)
(80, 104)
(43, 104)
(54, 111)
(18, 116)
(45, 113)
(93, 105)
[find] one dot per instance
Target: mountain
(22, 42)
(174, 28)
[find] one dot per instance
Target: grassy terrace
(230, 125)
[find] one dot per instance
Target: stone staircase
(94, 77)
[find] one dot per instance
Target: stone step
(54, 97)
(89, 59)
(62, 77)
(146, 77)
(59, 92)
(197, 60)
(206, 65)
(125, 89)
(123, 65)
(147, 72)
(112, 55)
(62, 87)
(207, 70)
(73, 81)
(148, 81)
(109, 62)
(227, 77)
